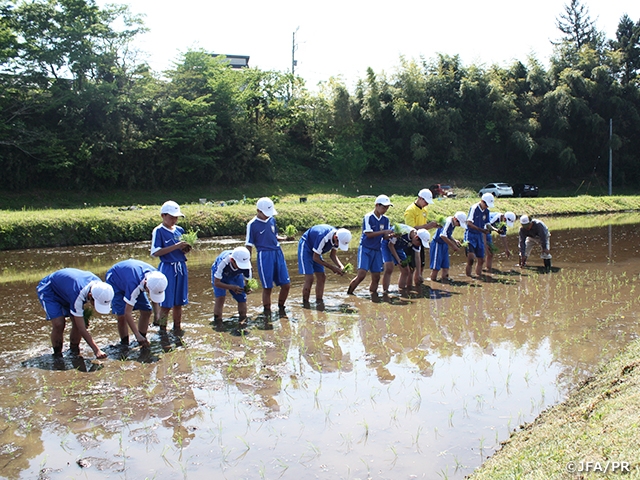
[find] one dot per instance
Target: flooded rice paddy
(418, 386)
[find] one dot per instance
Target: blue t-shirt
(479, 218)
(494, 220)
(371, 223)
(404, 240)
(262, 234)
(128, 277)
(163, 237)
(222, 268)
(446, 230)
(319, 239)
(72, 286)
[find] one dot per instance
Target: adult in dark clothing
(534, 232)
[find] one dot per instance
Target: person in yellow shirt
(415, 216)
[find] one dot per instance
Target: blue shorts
(306, 265)
(118, 304)
(388, 257)
(369, 259)
(272, 268)
(53, 305)
(476, 245)
(177, 292)
(234, 280)
(438, 256)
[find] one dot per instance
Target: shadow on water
(68, 361)
(430, 380)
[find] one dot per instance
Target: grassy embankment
(93, 225)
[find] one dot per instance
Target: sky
(342, 38)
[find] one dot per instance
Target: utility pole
(294, 47)
(610, 156)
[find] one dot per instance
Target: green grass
(31, 228)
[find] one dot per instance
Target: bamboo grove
(78, 110)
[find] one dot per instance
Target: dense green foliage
(77, 111)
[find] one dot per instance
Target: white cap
(383, 200)
(510, 218)
(488, 199)
(265, 205)
(157, 284)
(525, 220)
(344, 238)
(242, 257)
(102, 294)
(172, 208)
(426, 195)
(424, 237)
(462, 218)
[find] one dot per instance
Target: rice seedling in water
(86, 314)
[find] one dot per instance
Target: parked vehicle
(497, 189)
(439, 190)
(525, 190)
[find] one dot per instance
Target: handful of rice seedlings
(464, 244)
(290, 231)
(406, 262)
(86, 314)
(397, 229)
(348, 268)
(493, 248)
(191, 237)
(500, 225)
(252, 284)
(441, 220)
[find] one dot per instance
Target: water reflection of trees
(583, 316)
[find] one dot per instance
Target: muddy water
(424, 386)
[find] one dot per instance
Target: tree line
(79, 110)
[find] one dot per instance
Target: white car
(497, 189)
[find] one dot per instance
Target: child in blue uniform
(262, 233)
(166, 244)
(476, 230)
(314, 243)
(375, 226)
(498, 222)
(134, 282)
(442, 240)
(228, 272)
(394, 253)
(63, 294)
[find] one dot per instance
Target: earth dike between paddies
(97, 225)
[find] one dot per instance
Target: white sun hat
(157, 284)
(424, 237)
(426, 195)
(344, 238)
(265, 205)
(172, 208)
(242, 257)
(384, 200)
(510, 218)
(102, 294)
(488, 199)
(462, 218)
